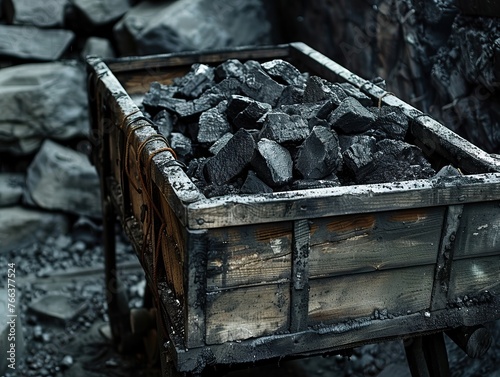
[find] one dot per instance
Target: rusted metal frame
(444, 262)
(299, 295)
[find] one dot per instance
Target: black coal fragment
(358, 157)
(292, 94)
(254, 185)
(351, 117)
(272, 163)
(244, 112)
(160, 97)
(232, 159)
(181, 144)
(319, 154)
(259, 86)
(231, 68)
(352, 91)
(284, 72)
(189, 109)
(226, 88)
(391, 123)
(164, 122)
(284, 128)
(219, 144)
(196, 81)
(448, 171)
(212, 125)
(196, 167)
(319, 89)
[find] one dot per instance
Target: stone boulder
(11, 188)
(101, 47)
(157, 27)
(96, 13)
(21, 227)
(38, 101)
(32, 43)
(44, 14)
(61, 178)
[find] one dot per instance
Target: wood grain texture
(247, 313)
(379, 241)
(475, 275)
(479, 232)
(337, 299)
(249, 255)
(294, 205)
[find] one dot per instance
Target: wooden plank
(245, 313)
(195, 277)
(398, 291)
(474, 276)
(294, 205)
(249, 255)
(300, 273)
(479, 233)
(447, 247)
(377, 241)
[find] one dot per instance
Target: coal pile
(249, 128)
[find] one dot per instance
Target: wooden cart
(242, 278)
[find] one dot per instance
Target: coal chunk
(164, 123)
(232, 159)
(219, 144)
(212, 125)
(273, 163)
(292, 94)
(244, 112)
(319, 89)
(319, 155)
(351, 117)
(284, 128)
(231, 68)
(259, 86)
(254, 185)
(47, 14)
(196, 81)
(354, 92)
(160, 96)
(181, 144)
(358, 157)
(391, 123)
(284, 72)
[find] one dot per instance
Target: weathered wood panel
(377, 241)
(479, 231)
(474, 276)
(252, 254)
(247, 313)
(399, 291)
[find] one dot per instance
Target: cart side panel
(474, 276)
(479, 232)
(248, 312)
(399, 291)
(249, 255)
(377, 241)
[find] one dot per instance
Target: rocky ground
(65, 275)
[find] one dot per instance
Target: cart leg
(427, 356)
(118, 310)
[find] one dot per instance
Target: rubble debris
(11, 188)
(232, 159)
(284, 128)
(318, 89)
(157, 27)
(273, 163)
(21, 227)
(60, 178)
(181, 144)
(212, 126)
(391, 123)
(358, 157)
(351, 117)
(219, 144)
(254, 185)
(292, 94)
(32, 43)
(231, 68)
(164, 123)
(196, 81)
(45, 100)
(244, 112)
(46, 14)
(319, 154)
